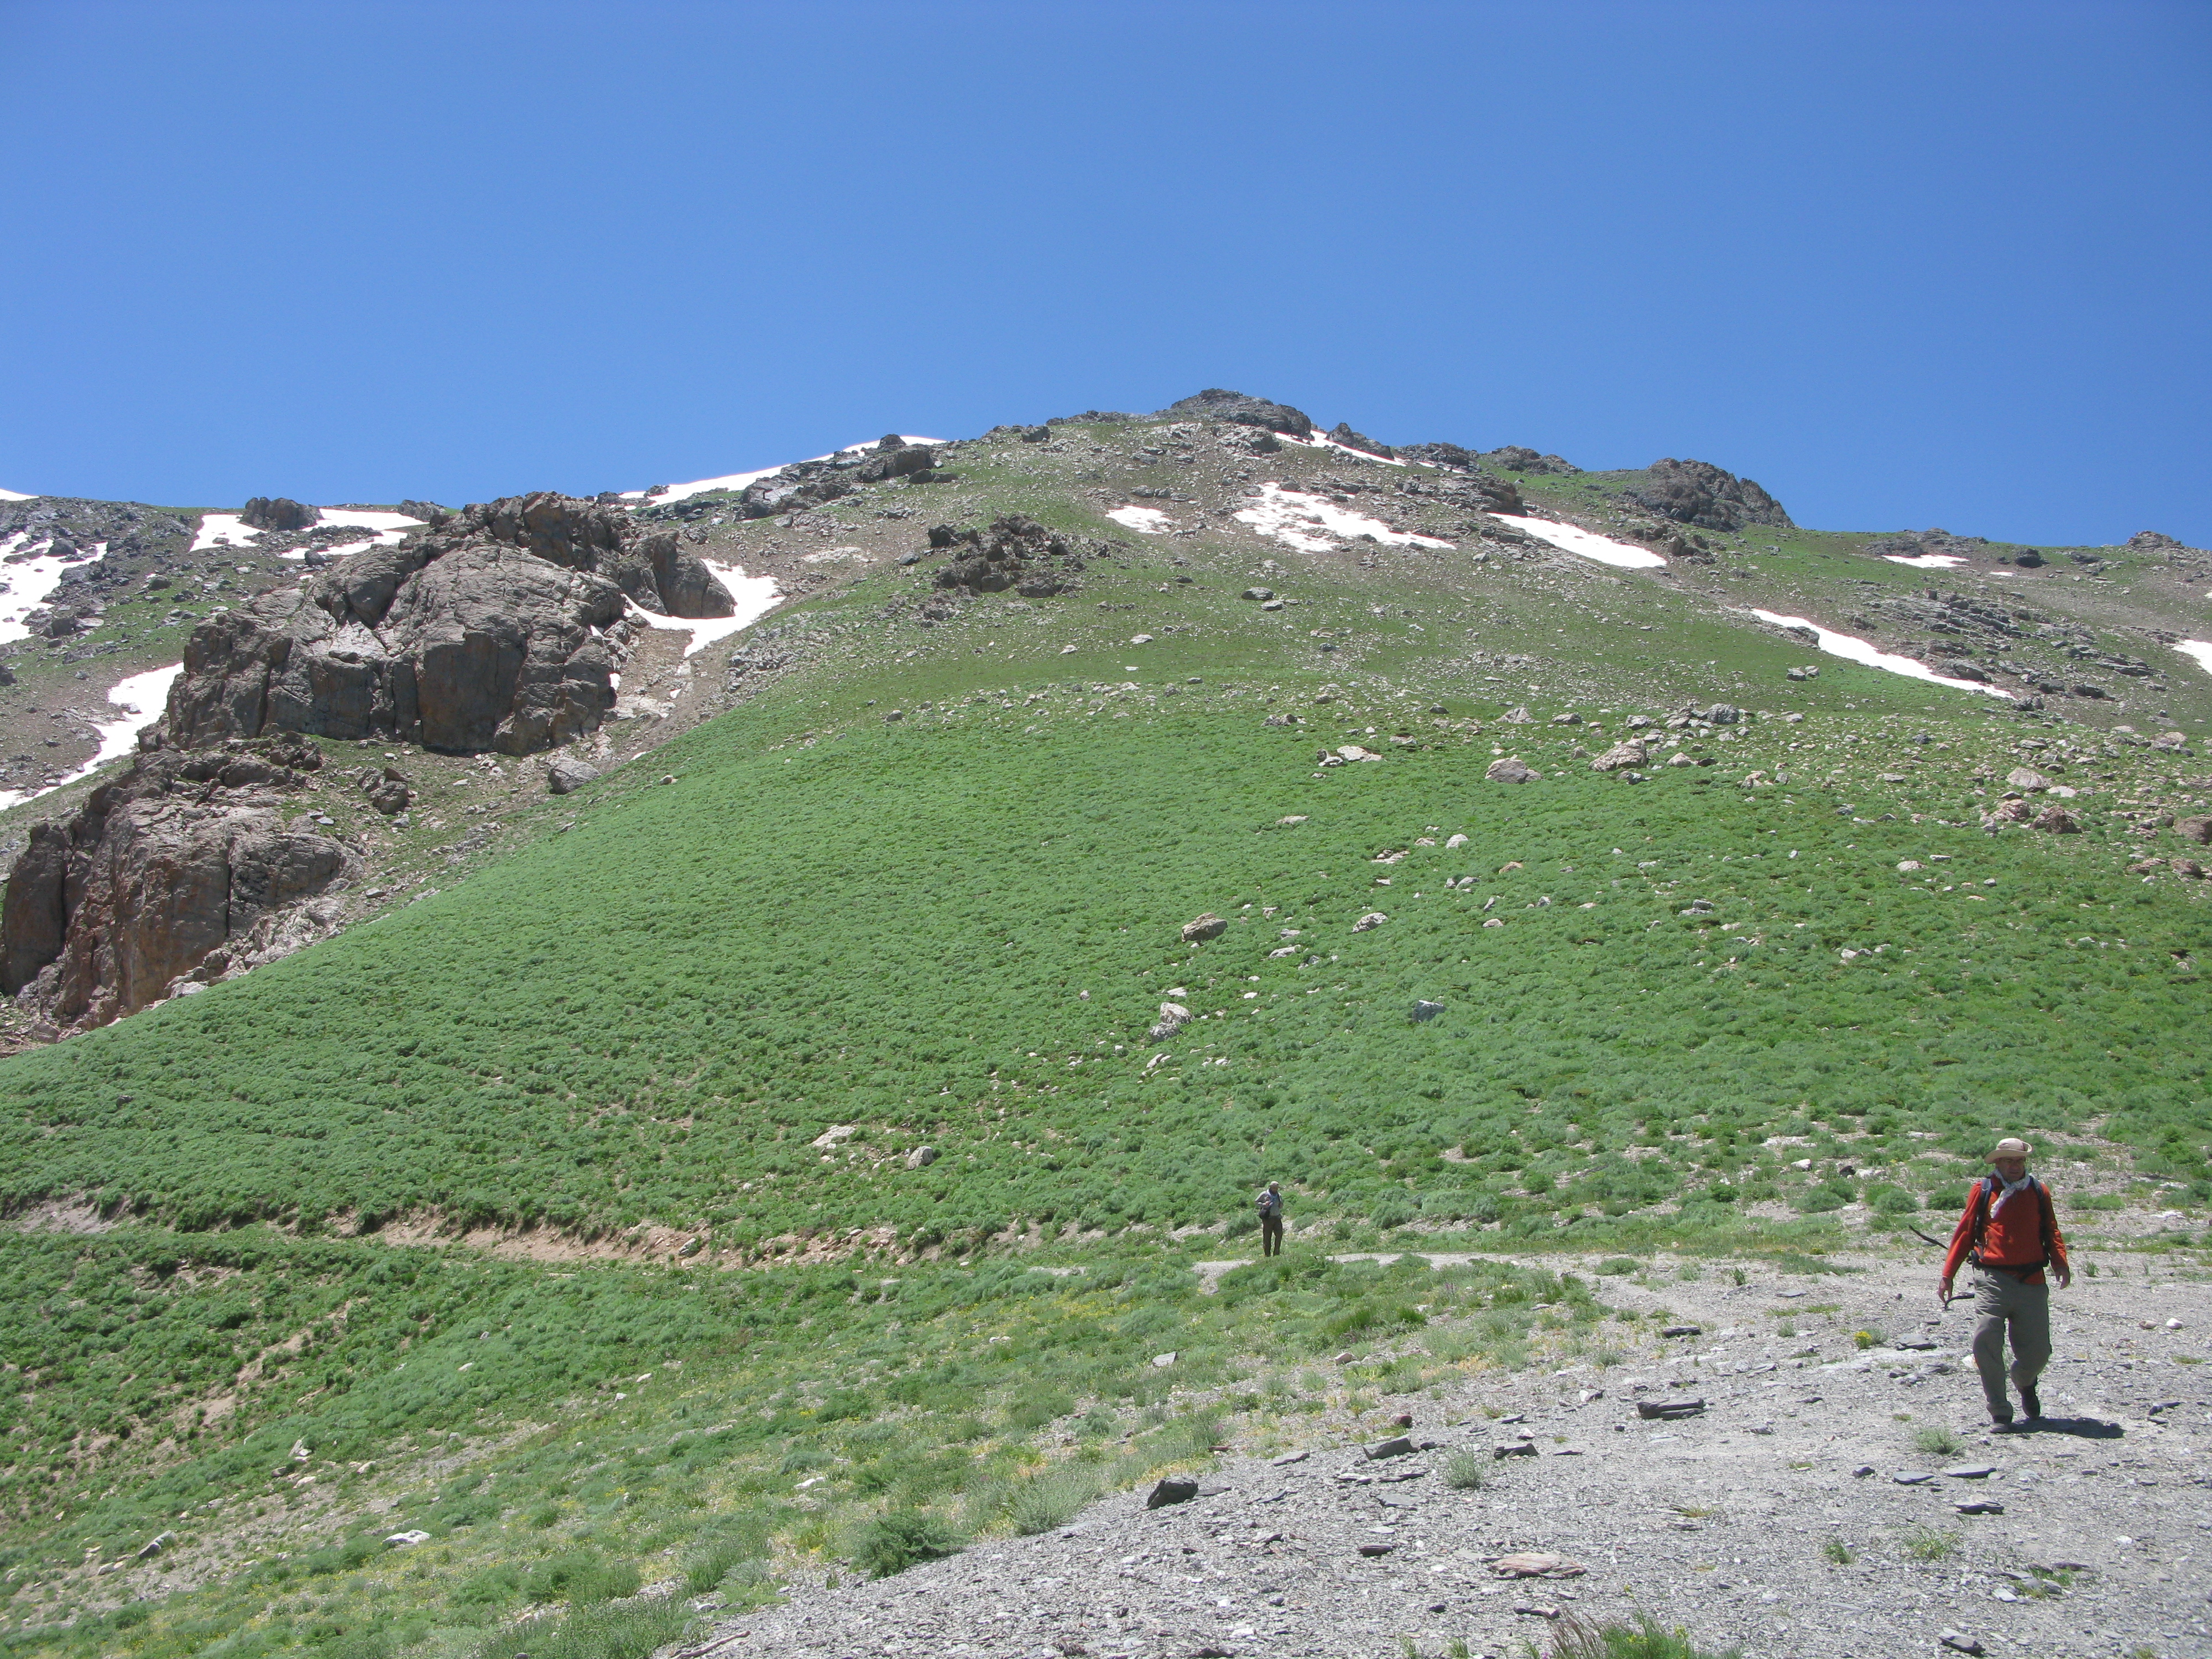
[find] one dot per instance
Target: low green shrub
(895, 1541)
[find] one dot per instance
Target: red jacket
(2021, 1236)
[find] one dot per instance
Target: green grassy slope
(958, 934)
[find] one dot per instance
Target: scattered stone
(1172, 1489)
(1536, 1563)
(1372, 919)
(2027, 780)
(2197, 828)
(1513, 1448)
(1173, 1017)
(567, 775)
(1971, 1472)
(1510, 768)
(412, 1536)
(2057, 821)
(1396, 1446)
(278, 512)
(1628, 753)
(1668, 1409)
(1863, 1471)
(922, 1158)
(1960, 1642)
(1425, 1010)
(1911, 1477)
(1290, 1457)
(1205, 927)
(1980, 1506)
(1377, 1549)
(1162, 1361)
(1683, 1330)
(1260, 593)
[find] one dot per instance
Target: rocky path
(1728, 1522)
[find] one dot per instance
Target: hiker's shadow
(2082, 1428)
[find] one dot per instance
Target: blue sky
(1907, 265)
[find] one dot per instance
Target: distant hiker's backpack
(1271, 1206)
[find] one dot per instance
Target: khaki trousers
(2004, 1305)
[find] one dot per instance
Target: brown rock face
(179, 870)
(489, 633)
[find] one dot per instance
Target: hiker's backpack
(1985, 1191)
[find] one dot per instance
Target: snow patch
(1308, 522)
(754, 597)
(228, 530)
(1144, 520)
(338, 552)
(738, 480)
(1587, 543)
(1926, 560)
(2200, 650)
(26, 582)
(15, 495)
(142, 698)
(1858, 651)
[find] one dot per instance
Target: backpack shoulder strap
(1981, 1205)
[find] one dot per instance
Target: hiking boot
(2006, 1425)
(2029, 1398)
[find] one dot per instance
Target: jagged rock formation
(279, 512)
(805, 484)
(1341, 433)
(1700, 493)
(1215, 404)
(492, 633)
(1016, 552)
(1518, 458)
(179, 873)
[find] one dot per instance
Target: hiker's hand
(1943, 1291)
(2065, 1275)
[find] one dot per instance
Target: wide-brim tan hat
(2010, 1146)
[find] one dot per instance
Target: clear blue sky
(1907, 265)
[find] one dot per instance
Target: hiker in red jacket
(2010, 1234)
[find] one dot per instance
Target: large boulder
(1215, 404)
(491, 632)
(279, 512)
(181, 871)
(1700, 493)
(484, 648)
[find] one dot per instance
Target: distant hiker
(2010, 1233)
(1271, 1220)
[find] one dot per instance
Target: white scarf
(2009, 1188)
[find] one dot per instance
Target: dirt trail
(1720, 1522)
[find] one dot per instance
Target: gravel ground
(1719, 1523)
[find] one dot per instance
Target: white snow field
(1858, 651)
(26, 582)
(228, 530)
(2200, 650)
(739, 480)
(1926, 560)
(754, 596)
(1313, 524)
(141, 698)
(1587, 543)
(15, 495)
(1144, 520)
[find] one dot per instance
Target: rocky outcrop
(279, 512)
(501, 631)
(1215, 404)
(1342, 434)
(180, 871)
(1700, 493)
(805, 484)
(1015, 552)
(1518, 458)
